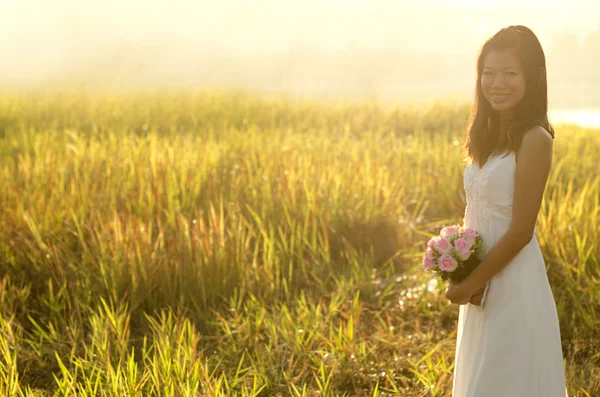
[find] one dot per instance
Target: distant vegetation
(220, 244)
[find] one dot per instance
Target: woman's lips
(499, 98)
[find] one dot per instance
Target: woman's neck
(505, 123)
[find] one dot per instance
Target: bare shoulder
(537, 135)
(537, 141)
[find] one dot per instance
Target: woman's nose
(498, 81)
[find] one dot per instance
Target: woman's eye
(511, 73)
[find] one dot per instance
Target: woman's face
(503, 81)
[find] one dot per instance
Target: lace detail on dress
(477, 195)
(484, 212)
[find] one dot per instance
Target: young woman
(510, 346)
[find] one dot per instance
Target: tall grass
(221, 244)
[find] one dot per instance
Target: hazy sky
(273, 25)
(48, 38)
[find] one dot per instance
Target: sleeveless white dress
(511, 346)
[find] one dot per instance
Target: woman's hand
(477, 297)
(460, 292)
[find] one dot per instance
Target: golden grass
(221, 244)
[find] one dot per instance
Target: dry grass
(225, 245)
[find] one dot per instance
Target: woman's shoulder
(534, 139)
(537, 133)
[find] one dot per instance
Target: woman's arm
(531, 175)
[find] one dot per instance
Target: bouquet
(454, 253)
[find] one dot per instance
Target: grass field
(223, 244)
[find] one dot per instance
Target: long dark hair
(486, 136)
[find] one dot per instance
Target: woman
(510, 346)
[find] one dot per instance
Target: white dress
(511, 347)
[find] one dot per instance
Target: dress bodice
(490, 189)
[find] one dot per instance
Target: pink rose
(443, 245)
(463, 248)
(464, 254)
(469, 235)
(450, 231)
(462, 244)
(431, 242)
(448, 263)
(429, 263)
